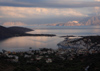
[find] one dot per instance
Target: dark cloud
(49, 4)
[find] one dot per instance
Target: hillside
(12, 31)
(4, 32)
(18, 31)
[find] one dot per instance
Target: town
(77, 49)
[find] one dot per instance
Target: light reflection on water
(63, 32)
(23, 43)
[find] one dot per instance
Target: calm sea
(36, 42)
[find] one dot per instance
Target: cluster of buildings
(73, 48)
(75, 43)
(76, 47)
(48, 55)
(29, 56)
(81, 46)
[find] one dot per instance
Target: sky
(29, 12)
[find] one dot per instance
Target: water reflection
(23, 43)
(63, 32)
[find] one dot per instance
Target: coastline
(64, 59)
(47, 35)
(76, 58)
(91, 41)
(18, 31)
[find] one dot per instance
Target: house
(49, 60)
(30, 52)
(46, 56)
(10, 56)
(39, 57)
(12, 52)
(86, 69)
(15, 60)
(63, 58)
(91, 51)
(0, 53)
(6, 53)
(27, 56)
(62, 52)
(30, 61)
(16, 57)
(44, 52)
(70, 58)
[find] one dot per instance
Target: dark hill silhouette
(4, 32)
(17, 31)
(12, 31)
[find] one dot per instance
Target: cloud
(97, 10)
(11, 12)
(1, 16)
(50, 3)
(13, 24)
(22, 12)
(0, 21)
(96, 0)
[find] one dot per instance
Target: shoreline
(48, 57)
(78, 59)
(75, 42)
(47, 35)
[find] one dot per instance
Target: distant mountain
(86, 21)
(70, 23)
(12, 31)
(91, 21)
(13, 24)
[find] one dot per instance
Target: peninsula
(17, 31)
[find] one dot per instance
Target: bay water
(23, 43)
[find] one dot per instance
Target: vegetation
(78, 64)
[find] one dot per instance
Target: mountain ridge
(94, 20)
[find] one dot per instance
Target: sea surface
(36, 42)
